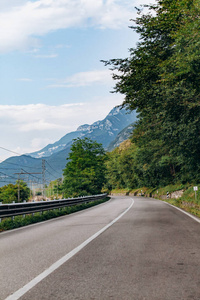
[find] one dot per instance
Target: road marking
(16, 295)
(184, 212)
(46, 221)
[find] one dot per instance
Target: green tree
(57, 187)
(120, 167)
(180, 79)
(85, 171)
(160, 80)
(9, 193)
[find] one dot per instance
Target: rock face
(176, 194)
(121, 137)
(173, 195)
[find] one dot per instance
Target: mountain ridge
(103, 131)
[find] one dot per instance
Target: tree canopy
(9, 193)
(160, 79)
(85, 170)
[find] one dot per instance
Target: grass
(20, 221)
(188, 201)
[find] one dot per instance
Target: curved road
(128, 248)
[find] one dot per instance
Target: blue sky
(51, 76)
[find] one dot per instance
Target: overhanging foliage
(160, 79)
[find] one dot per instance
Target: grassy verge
(20, 221)
(189, 206)
(188, 201)
(182, 196)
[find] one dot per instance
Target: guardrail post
(0, 204)
(24, 214)
(13, 217)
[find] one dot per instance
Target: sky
(51, 74)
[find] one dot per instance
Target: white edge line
(49, 220)
(16, 295)
(184, 212)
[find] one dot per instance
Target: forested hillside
(160, 79)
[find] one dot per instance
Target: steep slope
(121, 137)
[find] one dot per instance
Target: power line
(31, 174)
(6, 175)
(4, 181)
(26, 165)
(52, 168)
(10, 151)
(43, 169)
(7, 168)
(9, 163)
(51, 174)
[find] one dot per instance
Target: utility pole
(18, 188)
(43, 176)
(22, 173)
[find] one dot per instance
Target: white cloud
(85, 79)
(28, 128)
(23, 22)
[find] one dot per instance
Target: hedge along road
(130, 249)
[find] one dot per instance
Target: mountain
(103, 132)
(48, 163)
(58, 146)
(121, 137)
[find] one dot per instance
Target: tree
(120, 167)
(57, 187)
(160, 80)
(9, 193)
(85, 171)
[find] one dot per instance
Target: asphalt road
(152, 252)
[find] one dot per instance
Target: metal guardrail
(15, 209)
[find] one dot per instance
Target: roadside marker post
(195, 190)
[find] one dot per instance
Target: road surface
(128, 248)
